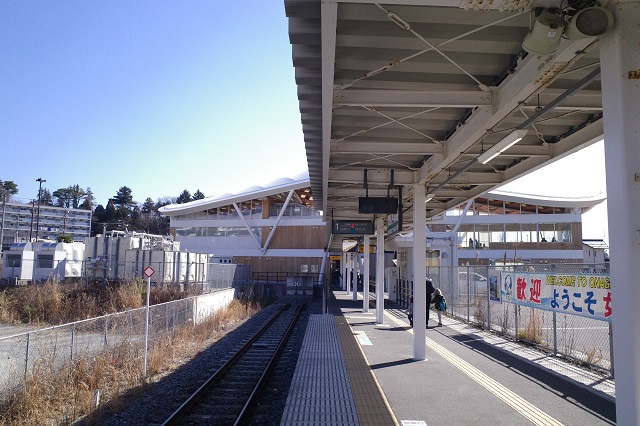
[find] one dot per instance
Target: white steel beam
(255, 238)
(329, 21)
(387, 147)
(410, 98)
(534, 73)
(275, 226)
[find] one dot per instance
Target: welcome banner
(587, 295)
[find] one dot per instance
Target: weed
(533, 330)
(63, 394)
(593, 356)
(480, 312)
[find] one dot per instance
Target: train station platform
(352, 371)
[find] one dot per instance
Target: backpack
(442, 306)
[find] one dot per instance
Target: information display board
(353, 227)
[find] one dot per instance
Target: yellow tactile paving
(370, 404)
(534, 414)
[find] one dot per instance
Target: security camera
(545, 36)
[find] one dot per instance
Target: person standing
(410, 312)
(430, 290)
(439, 304)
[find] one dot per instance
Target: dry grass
(480, 312)
(504, 319)
(63, 395)
(54, 303)
(533, 330)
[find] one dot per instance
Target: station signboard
(352, 227)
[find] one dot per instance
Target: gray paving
(353, 371)
(320, 392)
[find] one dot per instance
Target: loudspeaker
(589, 22)
(545, 36)
(380, 205)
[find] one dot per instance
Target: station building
(510, 228)
(275, 229)
(271, 229)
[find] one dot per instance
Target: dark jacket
(430, 290)
(436, 301)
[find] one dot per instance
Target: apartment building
(28, 222)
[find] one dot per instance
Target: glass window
(45, 261)
(496, 233)
(529, 232)
(256, 207)
(512, 233)
(482, 235)
(546, 232)
(13, 260)
(465, 235)
(563, 232)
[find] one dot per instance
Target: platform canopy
(425, 91)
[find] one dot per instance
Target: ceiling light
(507, 142)
(429, 197)
(545, 36)
(399, 21)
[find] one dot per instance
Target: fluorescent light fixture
(506, 143)
(429, 197)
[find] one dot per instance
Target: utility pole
(4, 193)
(39, 180)
(33, 209)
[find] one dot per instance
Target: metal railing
(587, 341)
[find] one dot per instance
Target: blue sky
(159, 96)
(162, 96)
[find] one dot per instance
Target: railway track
(227, 396)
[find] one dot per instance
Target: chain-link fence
(53, 348)
(472, 299)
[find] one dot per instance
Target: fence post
(611, 349)
(468, 296)
(555, 334)
(166, 318)
(73, 335)
(515, 310)
(488, 306)
(105, 332)
(26, 357)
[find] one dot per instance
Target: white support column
(365, 279)
(343, 269)
(419, 273)
(349, 273)
(322, 281)
(356, 261)
(380, 270)
(620, 62)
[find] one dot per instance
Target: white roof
(284, 184)
(586, 201)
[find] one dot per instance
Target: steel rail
(271, 363)
(193, 400)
